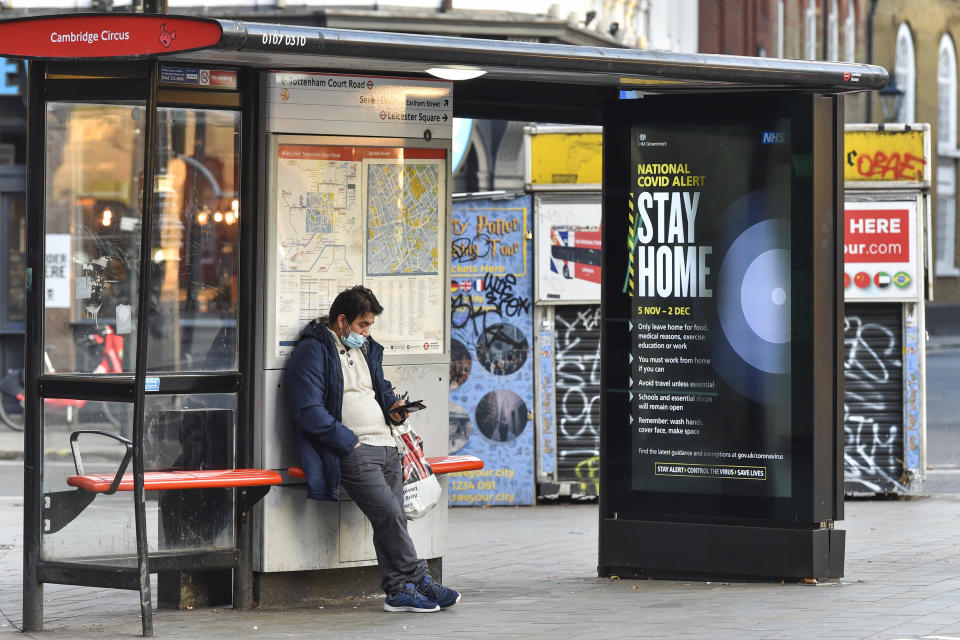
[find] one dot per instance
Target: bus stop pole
(143, 311)
(33, 405)
(248, 267)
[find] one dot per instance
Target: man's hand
(398, 416)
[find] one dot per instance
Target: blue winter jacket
(314, 382)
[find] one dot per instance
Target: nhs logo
(773, 137)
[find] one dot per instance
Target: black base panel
(648, 549)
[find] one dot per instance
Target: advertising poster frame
(866, 220)
(492, 351)
(812, 497)
(567, 249)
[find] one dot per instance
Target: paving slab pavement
(530, 572)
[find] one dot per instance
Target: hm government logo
(773, 137)
(643, 142)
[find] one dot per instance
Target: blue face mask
(353, 341)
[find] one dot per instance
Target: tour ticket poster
(710, 281)
(491, 352)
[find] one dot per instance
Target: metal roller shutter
(577, 344)
(873, 399)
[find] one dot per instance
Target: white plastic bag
(421, 491)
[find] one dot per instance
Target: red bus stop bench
(439, 464)
(62, 507)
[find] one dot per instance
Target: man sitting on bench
(339, 400)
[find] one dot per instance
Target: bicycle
(111, 361)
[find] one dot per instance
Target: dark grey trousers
(374, 480)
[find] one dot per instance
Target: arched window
(833, 32)
(947, 95)
(905, 71)
(850, 32)
(946, 209)
(810, 30)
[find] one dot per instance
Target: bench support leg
(62, 507)
(143, 564)
(247, 497)
(143, 559)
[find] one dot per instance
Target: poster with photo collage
(491, 352)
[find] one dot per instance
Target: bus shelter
(199, 189)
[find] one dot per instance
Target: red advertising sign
(877, 235)
(881, 251)
(105, 36)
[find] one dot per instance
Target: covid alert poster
(711, 284)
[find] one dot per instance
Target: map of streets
(403, 213)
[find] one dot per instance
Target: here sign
(880, 251)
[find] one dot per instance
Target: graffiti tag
(888, 167)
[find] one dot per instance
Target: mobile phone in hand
(410, 407)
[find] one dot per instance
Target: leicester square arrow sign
(105, 36)
(334, 104)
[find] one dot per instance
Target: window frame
(905, 71)
(945, 229)
(947, 88)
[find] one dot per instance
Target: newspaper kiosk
(887, 266)
(209, 184)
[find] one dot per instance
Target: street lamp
(890, 98)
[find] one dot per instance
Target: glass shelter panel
(17, 248)
(181, 433)
(195, 241)
(94, 173)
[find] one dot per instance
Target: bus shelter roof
(522, 80)
(285, 46)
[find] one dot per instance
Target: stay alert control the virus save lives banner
(491, 352)
(709, 242)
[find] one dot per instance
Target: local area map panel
(361, 215)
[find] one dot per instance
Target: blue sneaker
(438, 593)
(410, 600)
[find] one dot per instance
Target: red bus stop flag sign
(105, 36)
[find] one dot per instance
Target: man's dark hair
(354, 302)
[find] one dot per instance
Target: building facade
(917, 43)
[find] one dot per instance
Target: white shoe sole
(387, 607)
